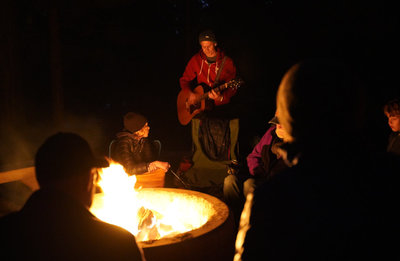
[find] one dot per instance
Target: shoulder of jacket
(195, 59)
(125, 141)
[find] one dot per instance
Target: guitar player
(206, 69)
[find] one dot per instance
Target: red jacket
(199, 68)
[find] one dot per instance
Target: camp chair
(110, 148)
(156, 143)
(206, 173)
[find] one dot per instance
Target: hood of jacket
(217, 64)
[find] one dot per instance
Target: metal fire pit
(213, 241)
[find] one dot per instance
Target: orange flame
(148, 216)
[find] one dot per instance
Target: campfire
(149, 214)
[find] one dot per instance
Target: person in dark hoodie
(133, 149)
(56, 223)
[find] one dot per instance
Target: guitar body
(186, 111)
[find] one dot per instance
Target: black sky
(108, 57)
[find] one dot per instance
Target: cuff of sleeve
(147, 167)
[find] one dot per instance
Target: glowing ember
(147, 215)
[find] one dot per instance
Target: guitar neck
(217, 89)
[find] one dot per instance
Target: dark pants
(236, 188)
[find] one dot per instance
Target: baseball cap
(65, 154)
(207, 35)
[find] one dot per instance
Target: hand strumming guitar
(190, 103)
(215, 95)
(195, 97)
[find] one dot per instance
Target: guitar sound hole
(194, 107)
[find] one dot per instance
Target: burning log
(147, 225)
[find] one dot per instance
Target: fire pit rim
(216, 220)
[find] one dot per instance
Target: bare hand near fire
(158, 165)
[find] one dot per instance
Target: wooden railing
(25, 175)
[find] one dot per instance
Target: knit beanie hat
(134, 121)
(207, 35)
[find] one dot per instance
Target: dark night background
(78, 65)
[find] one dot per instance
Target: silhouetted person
(392, 112)
(337, 200)
(55, 223)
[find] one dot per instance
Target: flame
(148, 216)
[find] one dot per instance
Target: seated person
(132, 148)
(392, 112)
(336, 201)
(55, 223)
(263, 162)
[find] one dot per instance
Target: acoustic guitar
(187, 111)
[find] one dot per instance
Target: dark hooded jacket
(135, 155)
(394, 143)
(52, 225)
